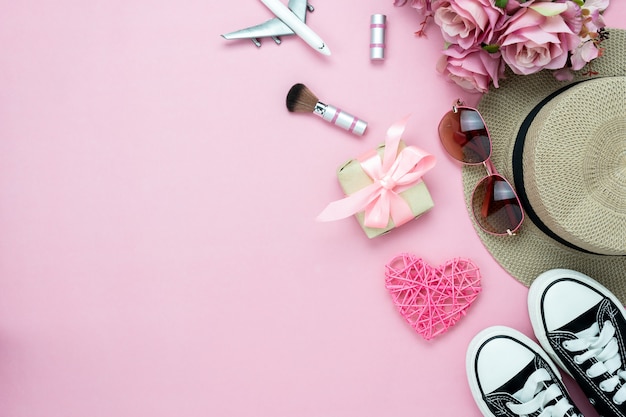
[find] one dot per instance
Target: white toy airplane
(288, 21)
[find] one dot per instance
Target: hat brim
(531, 251)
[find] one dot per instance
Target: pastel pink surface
(158, 251)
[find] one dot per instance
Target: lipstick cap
(378, 23)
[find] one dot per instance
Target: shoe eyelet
(565, 344)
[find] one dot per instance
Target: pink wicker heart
(432, 299)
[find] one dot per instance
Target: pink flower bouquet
(483, 37)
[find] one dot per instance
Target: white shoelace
(536, 395)
(601, 345)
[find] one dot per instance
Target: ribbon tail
(400, 210)
(352, 204)
(377, 213)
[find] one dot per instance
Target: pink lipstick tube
(378, 24)
(340, 118)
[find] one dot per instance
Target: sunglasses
(495, 205)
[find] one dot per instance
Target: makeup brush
(301, 99)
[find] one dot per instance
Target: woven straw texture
(575, 166)
(531, 252)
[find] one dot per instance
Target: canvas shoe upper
(509, 375)
(582, 326)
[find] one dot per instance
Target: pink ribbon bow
(396, 173)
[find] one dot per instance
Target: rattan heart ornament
(432, 299)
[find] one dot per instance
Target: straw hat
(563, 147)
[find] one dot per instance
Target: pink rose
(537, 37)
(467, 22)
(472, 69)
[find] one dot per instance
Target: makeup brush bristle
(301, 99)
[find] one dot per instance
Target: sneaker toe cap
(565, 300)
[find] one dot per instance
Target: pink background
(158, 249)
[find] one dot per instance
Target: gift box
(384, 187)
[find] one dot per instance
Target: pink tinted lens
(496, 207)
(464, 135)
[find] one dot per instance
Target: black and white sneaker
(510, 375)
(582, 326)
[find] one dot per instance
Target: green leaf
(492, 48)
(501, 3)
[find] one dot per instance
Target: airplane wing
(299, 8)
(273, 28)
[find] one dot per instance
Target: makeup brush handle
(342, 119)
